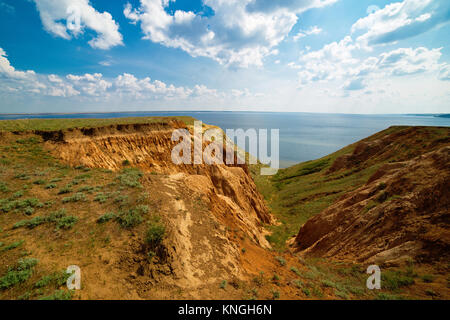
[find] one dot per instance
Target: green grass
(59, 218)
(394, 280)
(59, 295)
(12, 246)
(56, 279)
(79, 196)
(106, 217)
(64, 124)
(130, 178)
(18, 274)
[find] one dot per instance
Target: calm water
(303, 136)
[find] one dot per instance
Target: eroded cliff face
(401, 214)
(202, 203)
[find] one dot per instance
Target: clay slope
(197, 199)
(401, 213)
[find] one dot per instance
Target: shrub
(66, 223)
(29, 211)
(281, 260)
(155, 235)
(65, 190)
(101, 197)
(296, 271)
(51, 186)
(79, 196)
(223, 284)
(275, 295)
(3, 187)
(427, 278)
(39, 182)
(130, 177)
(30, 224)
(106, 217)
(129, 219)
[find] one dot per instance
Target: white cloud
(401, 20)
(8, 70)
(69, 18)
(406, 61)
(240, 33)
(355, 84)
(304, 33)
(94, 87)
(444, 73)
(337, 61)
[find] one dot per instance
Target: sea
(303, 136)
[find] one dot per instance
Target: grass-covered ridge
(49, 211)
(64, 124)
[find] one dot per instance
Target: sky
(335, 56)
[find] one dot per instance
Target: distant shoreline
(440, 115)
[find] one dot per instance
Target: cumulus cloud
(401, 20)
(6, 69)
(239, 33)
(70, 18)
(337, 61)
(304, 33)
(406, 61)
(93, 86)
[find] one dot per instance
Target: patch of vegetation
(59, 218)
(107, 217)
(101, 197)
(388, 296)
(12, 246)
(59, 295)
(56, 279)
(155, 234)
(4, 187)
(130, 177)
(65, 190)
(296, 271)
(427, 278)
(394, 280)
(18, 274)
(7, 205)
(275, 294)
(223, 284)
(281, 260)
(79, 196)
(131, 218)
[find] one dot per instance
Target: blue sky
(349, 56)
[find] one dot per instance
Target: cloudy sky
(343, 56)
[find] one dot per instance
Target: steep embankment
(197, 254)
(402, 211)
(109, 199)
